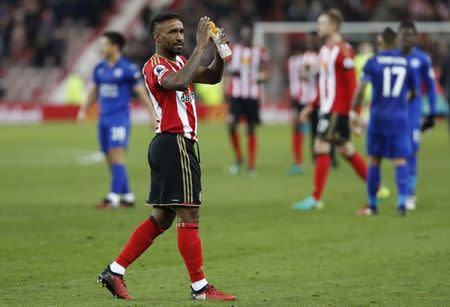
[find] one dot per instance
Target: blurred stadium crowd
(41, 38)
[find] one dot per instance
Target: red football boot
(114, 283)
(209, 293)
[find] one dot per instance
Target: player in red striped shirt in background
(303, 69)
(247, 70)
(337, 83)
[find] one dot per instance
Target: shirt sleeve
(412, 81)
(157, 73)
(95, 78)
(367, 71)
(134, 75)
(349, 72)
(428, 75)
(347, 58)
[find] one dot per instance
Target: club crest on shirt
(415, 63)
(118, 72)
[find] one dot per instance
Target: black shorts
(298, 107)
(244, 107)
(333, 128)
(175, 171)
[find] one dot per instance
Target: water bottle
(224, 49)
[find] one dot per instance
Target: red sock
(251, 151)
(139, 241)
(320, 174)
(190, 248)
(234, 136)
(297, 147)
(359, 165)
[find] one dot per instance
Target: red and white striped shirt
(304, 91)
(337, 81)
(245, 66)
(175, 110)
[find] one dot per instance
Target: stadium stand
(40, 40)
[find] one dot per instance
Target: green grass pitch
(53, 242)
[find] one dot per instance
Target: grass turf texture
(54, 243)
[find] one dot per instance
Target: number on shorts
(322, 125)
(118, 133)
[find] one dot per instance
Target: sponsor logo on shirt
(187, 97)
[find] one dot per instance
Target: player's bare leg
(142, 237)
(190, 248)
(119, 181)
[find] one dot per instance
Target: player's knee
(188, 215)
(347, 150)
(116, 156)
(321, 147)
(251, 129)
(399, 161)
(163, 218)
(374, 160)
(232, 126)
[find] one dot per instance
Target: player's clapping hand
(305, 114)
(223, 37)
(203, 32)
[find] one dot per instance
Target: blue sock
(412, 174)
(401, 178)
(125, 184)
(119, 175)
(373, 182)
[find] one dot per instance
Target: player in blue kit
(115, 79)
(392, 80)
(422, 68)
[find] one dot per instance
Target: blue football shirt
(420, 64)
(392, 79)
(115, 87)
